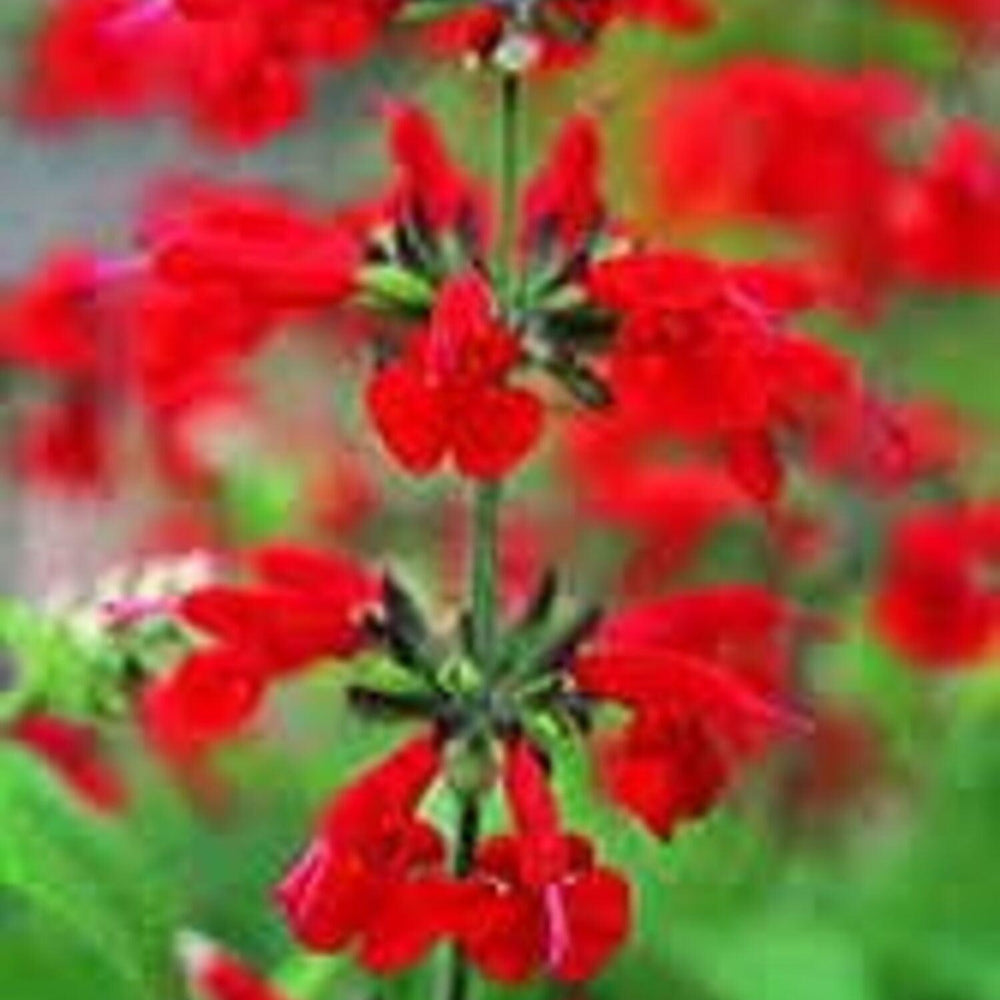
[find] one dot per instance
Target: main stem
(485, 572)
(459, 970)
(486, 505)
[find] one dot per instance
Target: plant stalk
(459, 970)
(485, 569)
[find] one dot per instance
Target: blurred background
(863, 867)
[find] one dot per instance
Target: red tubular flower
(49, 323)
(799, 146)
(215, 974)
(308, 606)
(428, 187)
(209, 697)
(563, 201)
(372, 875)
(697, 342)
(72, 750)
(240, 85)
(938, 604)
(538, 901)
(84, 61)
(702, 353)
(446, 395)
(703, 673)
(187, 338)
(273, 251)
(947, 215)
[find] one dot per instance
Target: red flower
(210, 696)
(701, 353)
(565, 30)
(947, 215)
(97, 56)
(429, 189)
(799, 146)
(238, 68)
(938, 604)
(65, 444)
(308, 606)
(538, 900)
(216, 974)
(563, 202)
(703, 673)
(49, 323)
(277, 253)
(239, 83)
(372, 875)
(446, 395)
(697, 342)
(73, 751)
(187, 339)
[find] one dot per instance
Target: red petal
(409, 417)
(325, 901)
(496, 432)
(504, 933)
(211, 695)
(598, 916)
(410, 919)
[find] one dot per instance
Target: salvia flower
(539, 901)
(938, 603)
(307, 607)
(447, 395)
(372, 877)
(73, 750)
(704, 675)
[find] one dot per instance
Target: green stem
(485, 572)
(459, 970)
(510, 153)
(486, 506)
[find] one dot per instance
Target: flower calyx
(429, 676)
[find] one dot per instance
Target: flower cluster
(242, 69)
(698, 397)
(810, 150)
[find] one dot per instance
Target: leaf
(86, 874)
(783, 954)
(311, 977)
(53, 666)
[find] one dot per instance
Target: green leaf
(312, 977)
(86, 875)
(54, 666)
(784, 954)
(397, 287)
